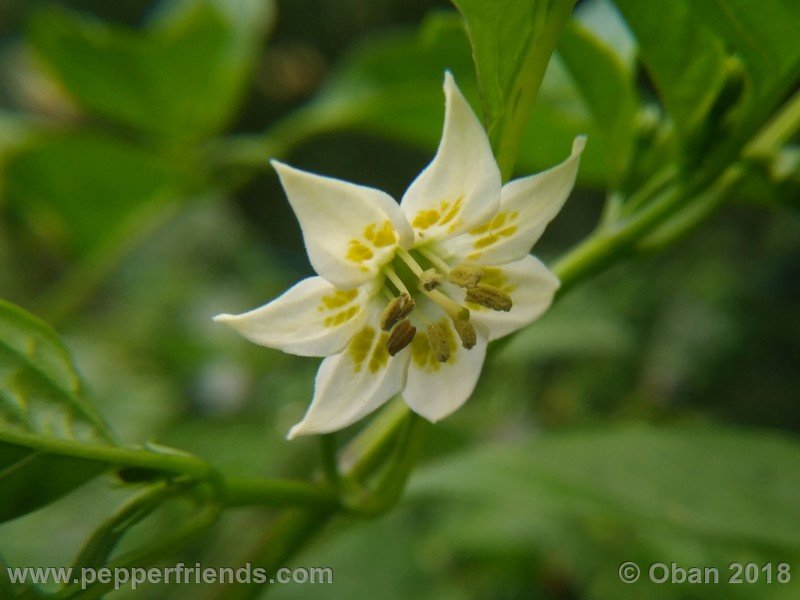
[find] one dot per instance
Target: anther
(466, 276)
(430, 279)
(398, 308)
(401, 336)
(438, 342)
(466, 333)
(490, 297)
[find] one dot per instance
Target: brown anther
(466, 276)
(490, 297)
(430, 279)
(438, 342)
(466, 333)
(398, 308)
(401, 336)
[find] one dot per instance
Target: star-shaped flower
(409, 295)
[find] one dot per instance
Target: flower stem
(270, 492)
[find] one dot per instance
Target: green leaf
(693, 495)
(40, 396)
(765, 34)
(512, 41)
(607, 87)
(392, 86)
(180, 78)
(685, 60)
(79, 187)
(51, 438)
(712, 482)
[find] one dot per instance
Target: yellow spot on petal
(444, 214)
(341, 317)
(337, 299)
(385, 236)
(358, 252)
(454, 210)
(425, 219)
(498, 227)
(380, 354)
(360, 346)
(496, 277)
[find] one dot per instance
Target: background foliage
(652, 415)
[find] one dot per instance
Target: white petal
(349, 230)
(527, 205)
(312, 318)
(531, 286)
(354, 383)
(434, 389)
(460, 188)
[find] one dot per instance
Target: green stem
(392, 479)
(169, 462)
(165, 548)
(266, 492)
(330, 461)
(777, 131)
(370, 447)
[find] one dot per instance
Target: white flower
(409, 295)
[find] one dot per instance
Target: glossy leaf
(40, 397)
(512, 41)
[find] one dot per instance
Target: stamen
(430, 279)
(490, 297)
(399, 308)
(438, 342)
(409, 260)
(431, 256)
(395, 279)
(466, 276)
(401, 336)
(466, 333)
(451, 307)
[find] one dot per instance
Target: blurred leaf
(580, 325)
(605, 22)
(181, 77)
(40, 397)
(606, 86)
(685, 60)
(711, 482)
(84, 185)
(590, 500)
(391, 86)
(765, 34)
(512, 41)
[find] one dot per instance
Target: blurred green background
(651, 415)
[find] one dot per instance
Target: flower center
(422, 274)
